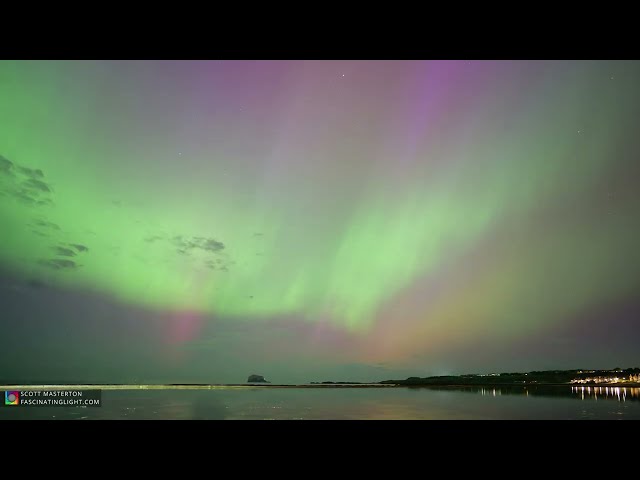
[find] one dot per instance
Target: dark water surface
(446, 403)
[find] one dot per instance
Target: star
(343, 74)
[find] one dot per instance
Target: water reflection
(468, 402)
(621, 394)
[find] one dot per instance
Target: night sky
(199, 221)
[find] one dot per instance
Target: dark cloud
(33, 183)
(65, 252)
(23, 196)
(258, 234)
(59, 264)
(212, 245)
(78, 247)
(185, 246)
(5, 165)
(24, 184)
(201, 243)
(218, 265)
(46, 224)
(33, 173)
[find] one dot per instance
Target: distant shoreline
(614, 378)
(194, 386)
(243, 386)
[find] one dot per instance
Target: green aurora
(416, 206)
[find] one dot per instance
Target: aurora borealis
(317, 220)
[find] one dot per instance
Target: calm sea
(352, 403)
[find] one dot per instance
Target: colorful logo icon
(11, 398)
